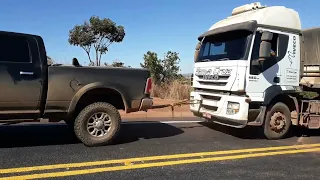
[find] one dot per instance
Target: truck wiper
(205, 60)
(222, 59)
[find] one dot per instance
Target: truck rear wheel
(97, 124)
(277, 122)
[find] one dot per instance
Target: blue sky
(155, 25)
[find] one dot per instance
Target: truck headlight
(233, 108)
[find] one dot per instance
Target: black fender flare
(273, 91)
(270, 93)
(92, 86)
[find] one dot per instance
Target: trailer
(309, 105)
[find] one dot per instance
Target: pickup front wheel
(97, 124)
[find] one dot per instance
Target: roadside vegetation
(98, 35)
(168, 83)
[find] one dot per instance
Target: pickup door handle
(26, 73)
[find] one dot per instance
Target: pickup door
(20, 76)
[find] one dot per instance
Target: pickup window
(14, 49)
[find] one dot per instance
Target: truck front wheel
(277, 122)
(97, 124)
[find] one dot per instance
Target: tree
(153, 63)
(163, 70)
(98, 34)
(116, 63)
(170, 66)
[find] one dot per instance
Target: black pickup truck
(86, 98)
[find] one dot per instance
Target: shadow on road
(243, 133)
(252, 132)
(134, 132)
(43, 135)
(35, 135)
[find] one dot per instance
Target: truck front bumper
(222, 109)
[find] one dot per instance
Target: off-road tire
(80, 124)
(285, 112)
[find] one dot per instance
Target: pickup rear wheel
(278, 121)
(97, 124)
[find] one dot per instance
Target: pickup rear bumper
(146, 103)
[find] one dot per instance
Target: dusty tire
(278, 121)
(88, 121)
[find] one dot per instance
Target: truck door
(20, 77)
(270, 74)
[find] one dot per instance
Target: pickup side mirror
(265, 45)
(196, 52)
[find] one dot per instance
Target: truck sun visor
(249, 26)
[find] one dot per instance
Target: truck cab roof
(263, 16)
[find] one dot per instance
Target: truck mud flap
(258, 120)
(311, 117)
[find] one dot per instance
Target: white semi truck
(255, 68)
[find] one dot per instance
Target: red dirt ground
(179, 111)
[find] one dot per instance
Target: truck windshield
(231, 46)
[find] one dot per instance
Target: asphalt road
(226, 153)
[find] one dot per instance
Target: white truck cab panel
(281, 69)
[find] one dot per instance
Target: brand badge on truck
(212, 73)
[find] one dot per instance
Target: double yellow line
(152, 161)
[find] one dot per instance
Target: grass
(309, 94)
(176, 90)
(180, 90)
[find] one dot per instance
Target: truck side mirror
(265, 50)
(196, 52)
(265, 45)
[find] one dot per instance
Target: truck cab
(243, 62)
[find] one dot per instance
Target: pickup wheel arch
(92, 87)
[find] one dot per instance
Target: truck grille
(211, 80)
(209, 108)
(210, 102)
(218, 77)
(212, 83)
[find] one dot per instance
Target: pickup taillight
(148, 87)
